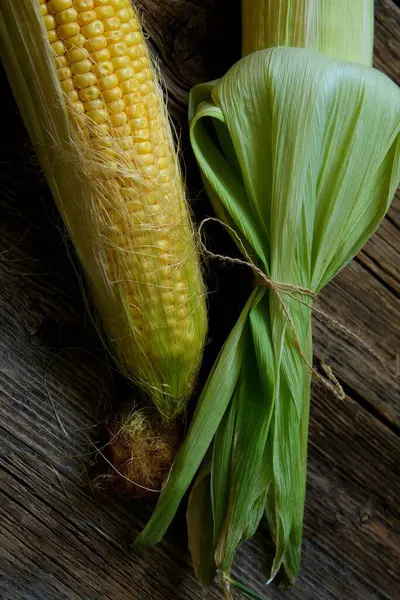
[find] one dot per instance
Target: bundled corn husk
(300, 155)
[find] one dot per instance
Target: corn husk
(342, 29)
(300, 155)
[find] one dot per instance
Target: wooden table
(63, 538)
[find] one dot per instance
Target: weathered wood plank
(364, 306)
(50, 519)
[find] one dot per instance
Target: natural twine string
(278, 288)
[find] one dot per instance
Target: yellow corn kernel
(56, 6)
(135, 52)
(49, 22)
(144, 148)
(93, 30)
(103, 69)
(162, 163)
(66, 16)
(95, 104)
(128, 87)
(116, 107)
(98, 116)
(72, 96)
(120, 62)
(127, 143)
(144, 76)
(67, 31)
(125, 28)
(81, 66)
(133, 38)
(85, 80)
(64, 73)
(82, 5)
(125, 14)
(118, 119)
(107, 82)
(151, 100)
(140, 123)
(96, 43)
(67, 85)
(136, 111)
(58, 48)
(86, 17)
(157, 134)
(101, 2)
(145, 159)
(76, 41)
(52, 36)
(150, 171)
(111, 23)
(153, 112)
(101, 55)
(61, 61)
(140, 64)
(164, 176)
(90, 93)
(117, 49)
(124, 74)
(44, 10)
(130, 99)
(78, 108)
(112, 94)
(135, 24)
(114, 35)
(105, 12)
(120, 132)
(118, 4)
(161, 150)
(139, 135)
(77, 54)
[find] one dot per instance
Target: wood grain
(60, 536)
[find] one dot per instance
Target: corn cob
(125, 204)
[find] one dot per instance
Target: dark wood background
(60, 538)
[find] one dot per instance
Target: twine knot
(280, 289)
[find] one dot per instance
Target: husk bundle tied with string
(300, 156)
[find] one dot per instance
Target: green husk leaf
(200, 526)
(211, 408)
(246, 591)
(249, 481)
(222, 466)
